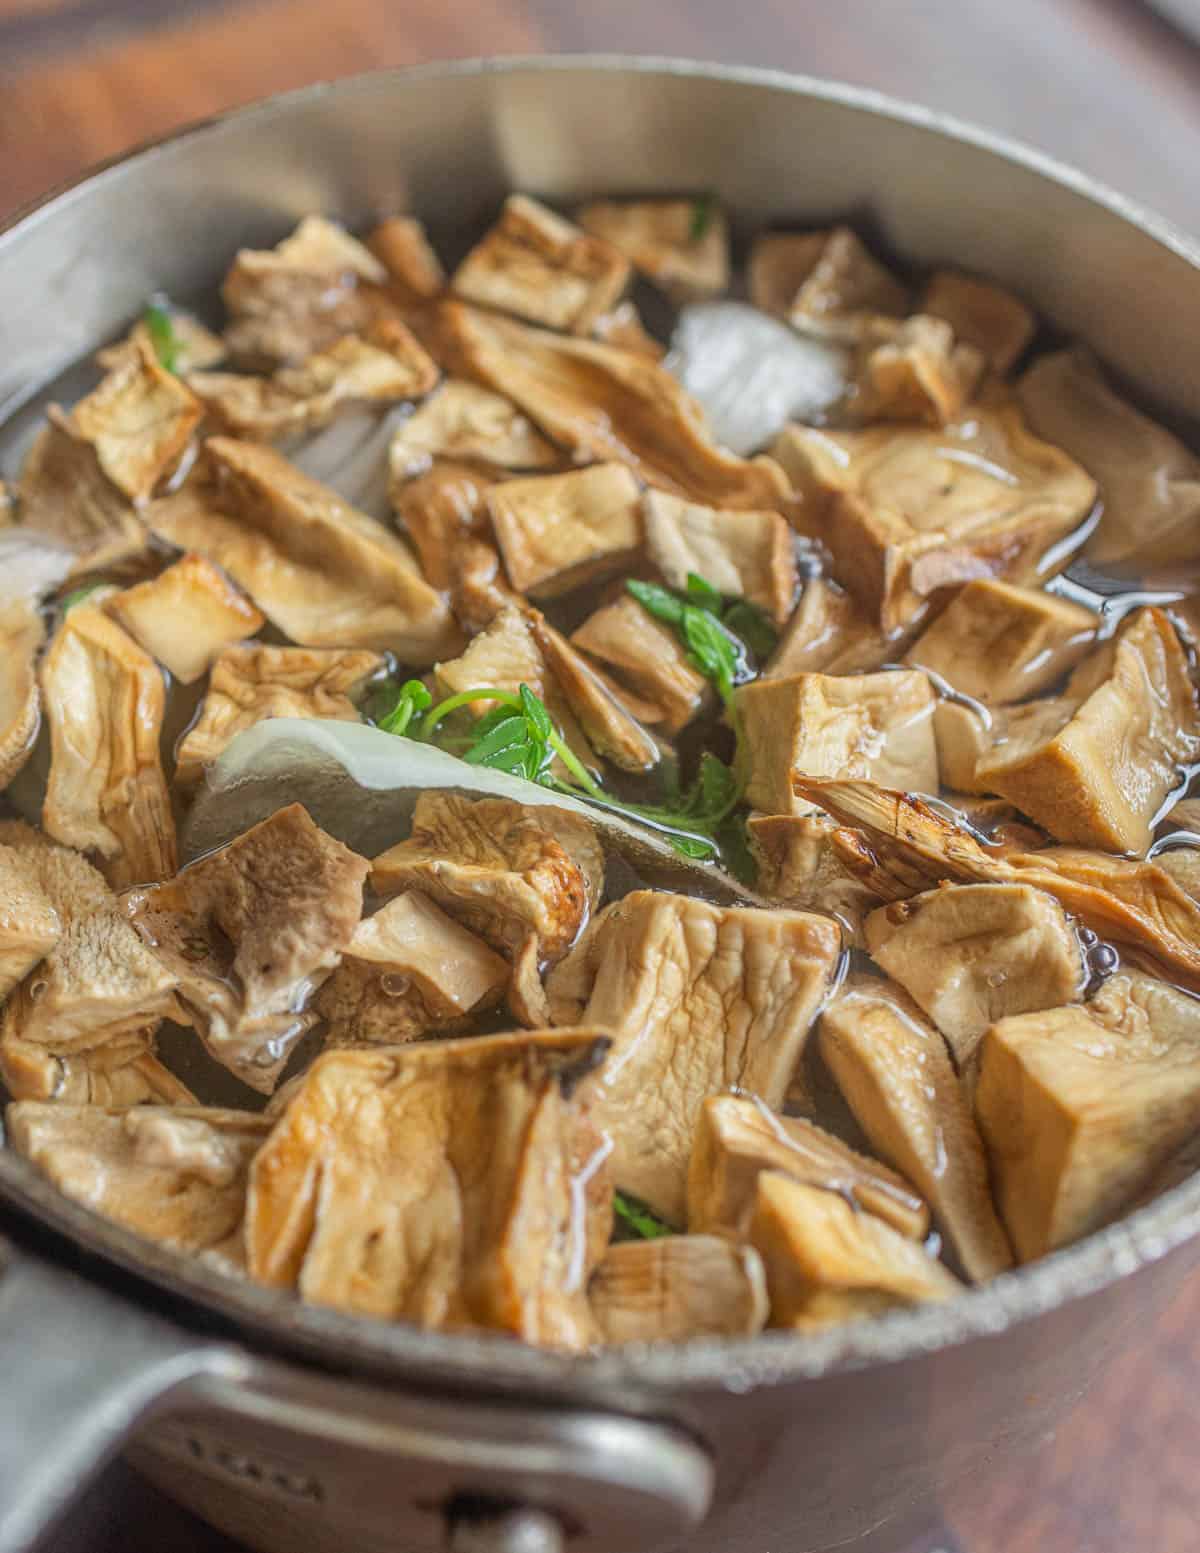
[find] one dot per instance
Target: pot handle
(79, 1369)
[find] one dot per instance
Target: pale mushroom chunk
(1183, 865)
(993, 320)
(402, 246)
(443, 511)
(676, 1287)
(540, 266)
(742, 554)
(820, 725)
(1081, 1107)
(681, 245)
(557, 532)
(29, 924)
(251, 683)
(608, 723)
(1100, 778)
(915, 371)
(186, 616)
(907, 510)
(380, 367)
(21, 636)
(123, 1070)
(250, 931)
(1149, 480)
(646, 658)
(441, 1183)
(798, 866)
(699, 998)
(66, 497)
(106, 792)
(971, 954)
(826, 1262)
(998, 643)
(176, 1175)
(824, 282)
(828, 633)
(408, 970)
(602, 404)
(468, 424)
(895, 1073)
(738, 1137)
(139, 419)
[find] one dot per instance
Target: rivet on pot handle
(512, 1531)
(79, 1369)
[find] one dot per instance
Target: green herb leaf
(660, 602)
(751, 624)
(718, 787)
(162, 335)
(414, 697)
(702, 214)
(697, 848)
(78, 596)
(536, 714)
(711, 648)
(733, 843)
(702, 593)
(511, 733)
(635, 1216)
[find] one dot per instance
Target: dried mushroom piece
(738, 1137)
(646, 658)
(29, 924)
(828, 633)
(895, 1073)
(451, 1183)
(608, 723)
(409, 969)
(603, 404)
(1149, 480)
(798, 866)
(1101, 778)
(991, 319)
(999, 643)
(557, 532)
(678, 1287)
(67, 498)
(965, 736)
(123, 1071)
(139, 420)
(251, 683)
(742, 554)
(915, 371)
(682, 245)
(906, 511)
(381, 366)
(468, 424)
(1081, 1107)
(106, 792)
(970, 954)
(177, 1175)
(186, 616)
(824, 282)
(820, 725)
(827, 1263)
(402, 246)
(444, 513)
(21, 635)
(698, 998)
(251, 931)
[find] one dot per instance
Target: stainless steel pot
(288, 1426)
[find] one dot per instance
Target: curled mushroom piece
(829, 633)
(402, 246)
(682, 245)
(915, 371)
(185, 616)
(21, 635)
(799, 866)
(646, 659)
(825, 282)
(648, 1291)
(467, 424)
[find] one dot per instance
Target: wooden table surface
(1103, 83)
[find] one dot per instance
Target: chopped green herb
(702, 214)
(162, 334)
(713, 649)
(413, 698)
(704, 595)
(636, 1217)
(660, 602)
(733, 842)
(749, 622)
(78, 596)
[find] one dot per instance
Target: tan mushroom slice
(610, 727)
(602, 403)
(799, 867)
(895, 1073)
(139, 419)
(825, 1262)
(251, 931)
(1149, 480)
(66, 497)
(676, 1287)
(402, 246)
(193, 347)
(742, 554)
(451, 1183)
(177, 1174)
(29, 924)
(682, 245)
(825, 282)
(525, 880)
(468, 424)
(646, 658)
(999, 643)
(409, 969)
(902, 846)
(106, 792)
(970, 954)
(737, 1138)
(538, 265)
(123, 1070)
(382, 366)
(622, 326)
(287, 302)
(557, 532)
(443, 511)
(251, 683)
(186, 616)
(821, 725)
(21, 636)
(965, 736)
(699, 998)
(324, 573)
(991, 319)
(829, 634)
(1183, 865)
(1081, 1107)
(908, 510)
(915, 371)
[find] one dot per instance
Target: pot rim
(491, 1360)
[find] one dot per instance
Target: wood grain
(1103, 83)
